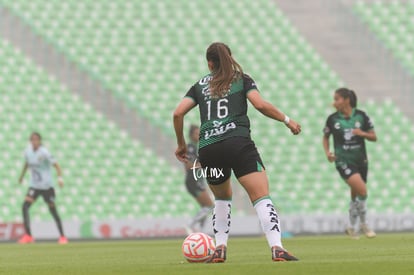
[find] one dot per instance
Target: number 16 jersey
(222, 117)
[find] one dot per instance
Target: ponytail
(225, 68)
(353, 100)
(350, 94)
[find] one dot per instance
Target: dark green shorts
(347, 170)
(236, 153)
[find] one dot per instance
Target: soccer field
(387, 254)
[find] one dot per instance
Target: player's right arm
(325, 142)
(267, 109)
(182, 109)
(25, 166)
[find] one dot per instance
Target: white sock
(269, 220)
(353, 214)
(221, 221)
(362, 209)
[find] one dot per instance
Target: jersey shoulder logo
(337, 125)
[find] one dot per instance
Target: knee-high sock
(222, 221)
(269, 220)
(55, 215)
(362, 208)
(26, 217)
(353, 214)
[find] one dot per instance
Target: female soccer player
(194, 183)
(350, 128)
(225, 145)
(39, 161)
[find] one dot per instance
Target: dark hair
(36, 134)
(225, 68)
(348, 93)
(193, 127)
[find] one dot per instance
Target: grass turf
(386, 254)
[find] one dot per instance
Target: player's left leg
(221, 218)
(204, 200)
(49, 198)
(257, 187)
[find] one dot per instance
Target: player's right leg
(31, 196)
(359, 187)
(353, 216)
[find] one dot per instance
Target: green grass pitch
(386, 254)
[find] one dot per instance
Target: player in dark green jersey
(195, 184)
(225, 145)
(350, 127)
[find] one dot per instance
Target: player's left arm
(59, 174)
(368, 135)
(182, 109)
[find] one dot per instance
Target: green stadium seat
(94, 175)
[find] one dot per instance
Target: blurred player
(225, 145)
(40, 161)
(197, 188)
(350, 128)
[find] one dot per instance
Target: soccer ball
(198, 247)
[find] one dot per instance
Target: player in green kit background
(195, 184)
(39, 160)
(350, 127)
(225, 145)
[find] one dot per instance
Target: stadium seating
(393, 23)
(148, 53)
(107, 174)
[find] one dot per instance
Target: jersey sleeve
(192, 94)
(368, 125)
(327, 130)
(248, 84)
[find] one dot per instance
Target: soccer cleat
(280, 255)
(63, 240)
(352, 233)
(219, 255)
(369, 233)
(26, 239)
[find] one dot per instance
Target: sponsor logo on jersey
(337, 125)
(351, 147)
(219, 129)
(204, 80)
(348, 135)
(357, 124)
